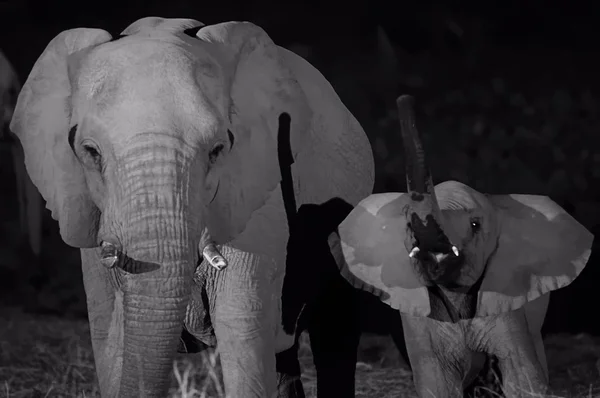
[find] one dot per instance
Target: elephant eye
(475, 225)
(215, 152)
(93, 152)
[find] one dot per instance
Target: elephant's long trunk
(160, 226)
(418, 176)
(426, 219)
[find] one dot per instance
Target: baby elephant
(469, 272)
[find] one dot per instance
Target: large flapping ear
(261, 87)
(372, 249)
(149, 24)
(540, 248)
(41, 121)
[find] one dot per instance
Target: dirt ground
(46, 356)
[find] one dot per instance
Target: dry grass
(43, 356)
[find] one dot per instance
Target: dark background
(507, 95)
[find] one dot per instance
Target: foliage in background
(502, 121)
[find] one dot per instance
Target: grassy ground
(45, 356)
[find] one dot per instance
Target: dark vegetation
(508, 102)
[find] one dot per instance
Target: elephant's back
(338, 157)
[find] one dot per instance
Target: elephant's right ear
(540, 248)
(371, 252)
(41, 121)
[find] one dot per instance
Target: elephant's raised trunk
(432, 235)
(159, 229)
(418, 176)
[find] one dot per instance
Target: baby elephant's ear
(540, 248)
(370, 248)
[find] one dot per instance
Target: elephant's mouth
(438, 261)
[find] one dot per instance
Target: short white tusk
(455, 250)
(214, 257)
(108, 254)
(414, 251)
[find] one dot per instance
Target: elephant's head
(147, 145)
(510, 248)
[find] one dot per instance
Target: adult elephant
(150, 145)
(470, 273)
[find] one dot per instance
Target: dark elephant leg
(289, 384)
(316, 298)
(334, 337)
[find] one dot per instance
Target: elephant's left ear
(261, 87)
(370, 250)
(262, 84)
(540, 248)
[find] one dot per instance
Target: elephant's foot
(289, 386)
(334, 337)
(523, 374)
(433, 378)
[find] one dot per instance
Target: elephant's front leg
(243, 310)
(508, 338)
(438, 356)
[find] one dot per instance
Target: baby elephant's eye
(475, 225)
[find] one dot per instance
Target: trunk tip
(405, 102)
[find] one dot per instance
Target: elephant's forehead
(151, 75)
(456, 196)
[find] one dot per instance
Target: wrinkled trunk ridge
(161, 230)
(418, 176)
(427, 221)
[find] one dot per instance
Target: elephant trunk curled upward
(148, 146)
(469, 272)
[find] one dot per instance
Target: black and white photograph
(308, 199)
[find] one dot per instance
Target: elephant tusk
(455, 250)
(109, 255)
(214, 257)
(414, 251)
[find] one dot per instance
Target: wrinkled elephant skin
(470, 273)
(160, 141)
